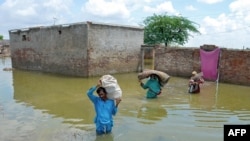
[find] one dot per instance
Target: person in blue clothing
(153, 85)
(105, 109)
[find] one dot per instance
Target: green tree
(168, 29)
(1, 37)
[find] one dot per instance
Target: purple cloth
(209, 63)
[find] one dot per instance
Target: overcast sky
(225, 23)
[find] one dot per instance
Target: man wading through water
(105, 109)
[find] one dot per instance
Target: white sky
(225, 23)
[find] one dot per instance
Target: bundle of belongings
(112, 87)
(164, 77)
(196, 76)
(195, 81)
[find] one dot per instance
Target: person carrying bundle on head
(194, 82)
(105, 109)
(153, 85)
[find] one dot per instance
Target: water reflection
(66, 96)
(222, 105)
(108, 137)
(57, 95)
(40, 106)
(151, 111)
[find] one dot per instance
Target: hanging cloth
(209, 63)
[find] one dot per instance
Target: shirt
(104, 109)
(153, 87)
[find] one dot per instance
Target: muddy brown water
(38, 106)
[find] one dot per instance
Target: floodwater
(37, 106)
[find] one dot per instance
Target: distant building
(4, 48)
(79, 49)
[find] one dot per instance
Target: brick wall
(80, 49)
(234, 64)
(113, 49)
(58, 49)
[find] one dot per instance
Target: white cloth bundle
(112, 87)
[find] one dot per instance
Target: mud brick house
(80, 49)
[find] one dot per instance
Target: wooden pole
(142, 59)
(153, 58)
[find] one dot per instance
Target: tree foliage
(167, 29)
(1, 37)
